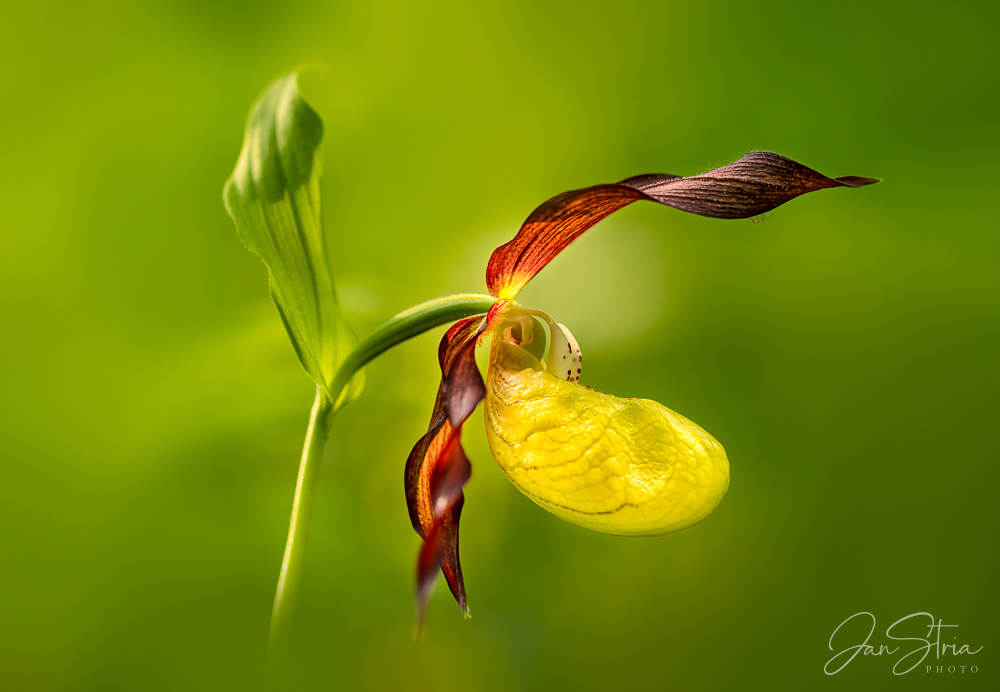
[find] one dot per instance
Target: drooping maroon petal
(437, 468)
(757, 183)
(440, 551)
(462, 386)
(430, 445)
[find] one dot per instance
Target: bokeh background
(845, 351)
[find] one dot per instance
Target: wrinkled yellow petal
(630, 467)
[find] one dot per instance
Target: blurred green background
(845, 351)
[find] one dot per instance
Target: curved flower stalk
(273, 196)
(622, 466)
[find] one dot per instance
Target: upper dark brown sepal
(757, 183)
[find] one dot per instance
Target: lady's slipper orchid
(622, 466)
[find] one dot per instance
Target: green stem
(305, 489)
(407, 325)
(398, 329)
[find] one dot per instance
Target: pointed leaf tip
(273, 197)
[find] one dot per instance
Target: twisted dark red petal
(757, 183)
(437, 468)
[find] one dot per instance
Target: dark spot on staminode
(568, 373)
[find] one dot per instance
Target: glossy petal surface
(757, 183)
(437, 468)
(622, 466)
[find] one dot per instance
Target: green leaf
(273, 197)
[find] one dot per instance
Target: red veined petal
(440, 551)
(437, 468)
(757, 183)
(549, 229)
(429, 446)
(462, 387)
